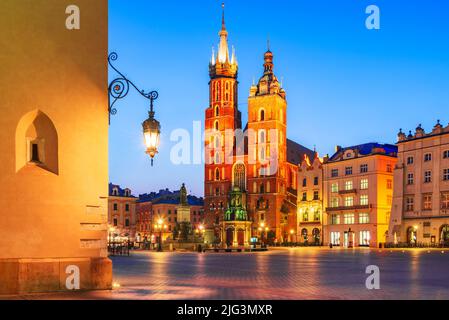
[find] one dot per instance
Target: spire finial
(223, 25)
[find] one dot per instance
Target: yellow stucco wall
(46, 68)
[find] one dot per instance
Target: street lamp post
(118, 89)
(160, 226)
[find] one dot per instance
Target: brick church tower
(222, 118)
(267, 150)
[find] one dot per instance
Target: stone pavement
(296, 273)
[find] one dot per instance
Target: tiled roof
(368, 149)
(296, 152)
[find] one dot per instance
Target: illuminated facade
(54, 142)
(259, 160)
(420, 212)
(310, 202)
(358, 193)
(121, 213)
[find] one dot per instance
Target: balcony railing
(357, 207)
(350, 191)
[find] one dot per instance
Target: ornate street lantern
(118, 89)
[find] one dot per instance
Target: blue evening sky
(346, 85)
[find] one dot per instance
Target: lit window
(349, 201)
(445, 200)
(348, 218)
(334, 187)
(364, 184)
(348, 185)
(335, 219)
(427, 202)
(334, 202)
(364, 238)
(364, 200)
(428, 176)
(335, 238)
(364, 168)
(363, 218)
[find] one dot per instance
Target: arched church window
(262, 188)
(216, 125)
(217, 111)
(262, 115)
(240, 176)
(262, 138)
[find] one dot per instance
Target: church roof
(296, 152)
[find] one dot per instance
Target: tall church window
(240, 176)
(216, 125)
(216, 91)
(262, 138)
(217, 174)
(262, 115)
(217, 111)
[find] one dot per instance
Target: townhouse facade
(358, 193)
(121, 214)
(420, 212)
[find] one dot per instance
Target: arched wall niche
(37, 142)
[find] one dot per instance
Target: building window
(363, 218)
(334, 173)
(334, 202)
(364, 238)
(316, 215)
(316, 195)
(169, 211)
(364, 200)
(127, 222)
(427, 157)
(410, 160)
(409, 204)
(363, 168)
(349, 185)
(348, 171)
(364, 184)
(389, 168)
(335, 219)
(334, 187)
(127, 207)
(445, 200)
(349, 201)
(217, 111)
(427, 176)
(446, 175)
(304, 182)
(410, 179)
(389, 184)
(446, 154)
(348, 218)
(335, 238)
(115, 206)
(427, 202)
(305, 216)
(115, 222)
(217, 174)
(315, 181)
(304, 196)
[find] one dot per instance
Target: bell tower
(221, 119)
(267, 148)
